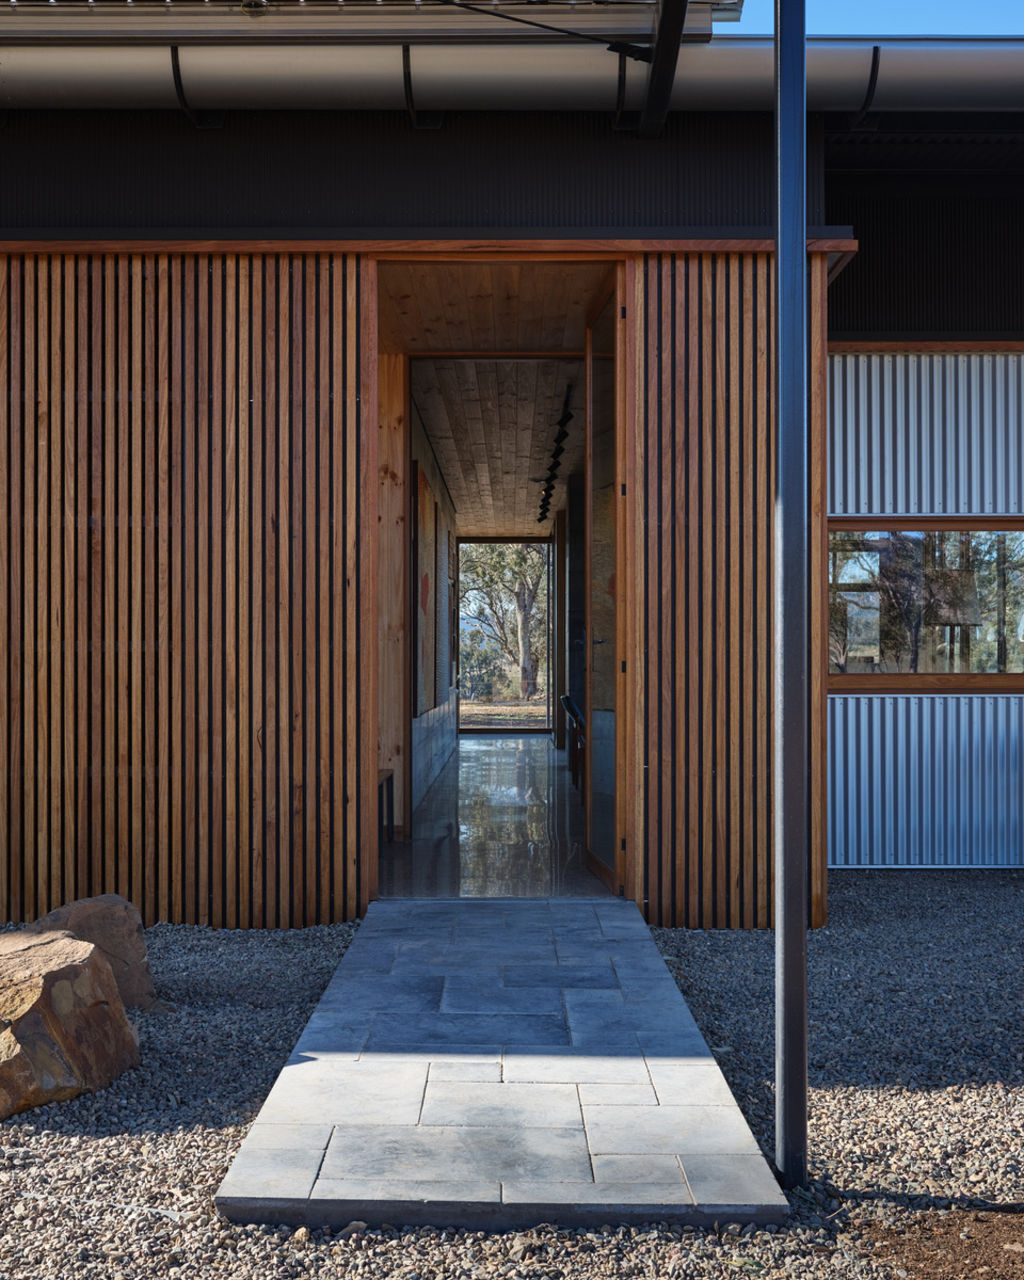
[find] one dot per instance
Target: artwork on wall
(426, 592)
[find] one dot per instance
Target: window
(938, 601)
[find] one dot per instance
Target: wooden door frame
(621, 256)
(625, 258)
(627, 876)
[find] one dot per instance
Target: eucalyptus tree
(503, 591)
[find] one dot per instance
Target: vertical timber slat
(16, 705)
(54, 592)
(30, 716)
(708, 455)
(186, 590)
(175, 568)
(352, 653)
(231, 585)
(150, 602)
(5, 585)
(819, 597)
(257, 671)
(165, 765)
(244, 683)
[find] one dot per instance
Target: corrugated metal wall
(941, 255)
(926, 780)
(926, 434)
(333, 173)
(934, 779)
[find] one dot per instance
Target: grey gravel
(917, 1104)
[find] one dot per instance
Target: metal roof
(364, 21)
(450, 55)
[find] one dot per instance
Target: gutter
(471, 73)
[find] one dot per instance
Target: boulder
(115, 926)
(63, 1028)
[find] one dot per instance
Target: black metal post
(671, 19)
(791, 595)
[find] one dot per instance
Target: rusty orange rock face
(63, 1027)
(115, 926)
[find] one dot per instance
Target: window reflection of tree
(899, 594)
(504, 838)
(853, 601)
(946, 600)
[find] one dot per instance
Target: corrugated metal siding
(337, 173)
(926, 434)
(926, 781)
(941, 254)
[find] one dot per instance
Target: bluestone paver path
(500, 1063)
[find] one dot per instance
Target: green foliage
(503, 600)
(483, 671)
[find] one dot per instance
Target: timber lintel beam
(670, 21)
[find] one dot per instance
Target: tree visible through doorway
(503, 635)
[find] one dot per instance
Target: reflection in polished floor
(502, 821)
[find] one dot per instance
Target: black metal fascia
(667, 38)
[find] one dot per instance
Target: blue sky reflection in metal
(888, 18)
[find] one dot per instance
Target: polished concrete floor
(502, 820)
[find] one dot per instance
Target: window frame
(919, 681)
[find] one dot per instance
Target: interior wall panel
(395, 648)
(187, 676)
(705, 415)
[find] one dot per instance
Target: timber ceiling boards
(486, 379)
(492, 424)
(431, 307)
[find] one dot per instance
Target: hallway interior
(502, 820)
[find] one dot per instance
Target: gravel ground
(917, 1111)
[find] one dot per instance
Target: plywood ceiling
(492, 425)
(492, 421)
(487, 306)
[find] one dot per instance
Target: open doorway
(505, 637)
(489, 543)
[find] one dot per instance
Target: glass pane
(938, 601)
(504, 636)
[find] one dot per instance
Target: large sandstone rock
(63, 1028)
(115, 926)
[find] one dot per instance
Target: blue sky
(891, 17)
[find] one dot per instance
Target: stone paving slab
(500, 1063)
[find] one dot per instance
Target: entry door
(601, 657)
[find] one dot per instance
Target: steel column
(664, 59)
(791, 596)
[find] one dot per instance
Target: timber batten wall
(188, 620)
(188, 590)
(705, 424)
